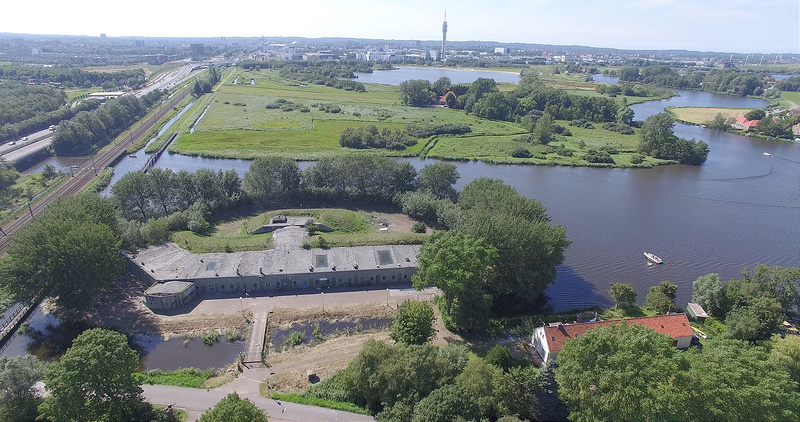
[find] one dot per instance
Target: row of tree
(161, 192)
(90, 130)
(328, 76)
(42, 121)
(206, 83)
(370, 137)
(75, 77)
(726, 81)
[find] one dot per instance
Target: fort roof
(170, 262)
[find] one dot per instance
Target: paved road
(30, 148)
(197, 401)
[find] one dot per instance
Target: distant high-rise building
(444, 34)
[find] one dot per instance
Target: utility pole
(30, 210)
(93, 166)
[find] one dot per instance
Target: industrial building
(275, 269)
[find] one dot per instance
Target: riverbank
(702, 115)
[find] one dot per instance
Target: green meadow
(242, 121)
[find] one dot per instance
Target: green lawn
(350, 228)
(791, 96)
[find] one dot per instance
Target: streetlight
(322, 295)
(387, 296)
(240, 305)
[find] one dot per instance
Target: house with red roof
(742, 123)
(549, 340)
(443, 99)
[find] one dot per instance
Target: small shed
(696, 312)
(279, 219)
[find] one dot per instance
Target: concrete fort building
(269, 270)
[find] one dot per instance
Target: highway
(83, 176)
(28, 149)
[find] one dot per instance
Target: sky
(737, 26)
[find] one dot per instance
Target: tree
(622, 293)
(484, 384)
(132, 192)
(719, 122)
(70, 253)
(233, 408)
(521, 388)
(500, 356)
(93, 381)
(543, 131)
(618, 373)
(657, 135)
(447, 404)
(450, 100)
(413, 323)
(416, 92)
(18, 399)
(163, 190)
(785, 353)
(709, 292)
(455, 263)
(272, 179)
(733, 381)
(529, 248)
(661, 298)
(756, 321)
(441, 86)
(756, 114)
(439, 179)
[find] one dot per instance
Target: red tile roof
(675, 326)
(749, 123)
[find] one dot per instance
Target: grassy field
(238, 124)
(701, 115)
(497, 149)
(791, 96)
(75, 93)
(350, 228)
(185, 377)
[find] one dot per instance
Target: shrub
(209, 338)
(295, 339)
(521, 153)
(419, 228)
(637, 158)
(618, 127)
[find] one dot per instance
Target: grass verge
(184, 377)
(328, 404)
(101, 181)
(221, 242)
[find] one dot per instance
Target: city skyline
(736, 26)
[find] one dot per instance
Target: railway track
(83, 176)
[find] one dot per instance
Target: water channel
(739, 209)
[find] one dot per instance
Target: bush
(521, 153)
(419, 228)
(295, 339)
(618, 127)
(598, 156)
(637, 158)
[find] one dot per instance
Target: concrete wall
(171, 301)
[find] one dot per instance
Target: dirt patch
(397, 222)
(324, 358)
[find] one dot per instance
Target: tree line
(75, 77)
(42, 121)
(321, 76)
(530, 99)
(19, 102)
(90, 130)
(726, 81)
(206, 83)
(370, 137)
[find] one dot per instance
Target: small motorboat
(766, 154)
(652, 258)
(132, 155)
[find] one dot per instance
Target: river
(738, 209)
